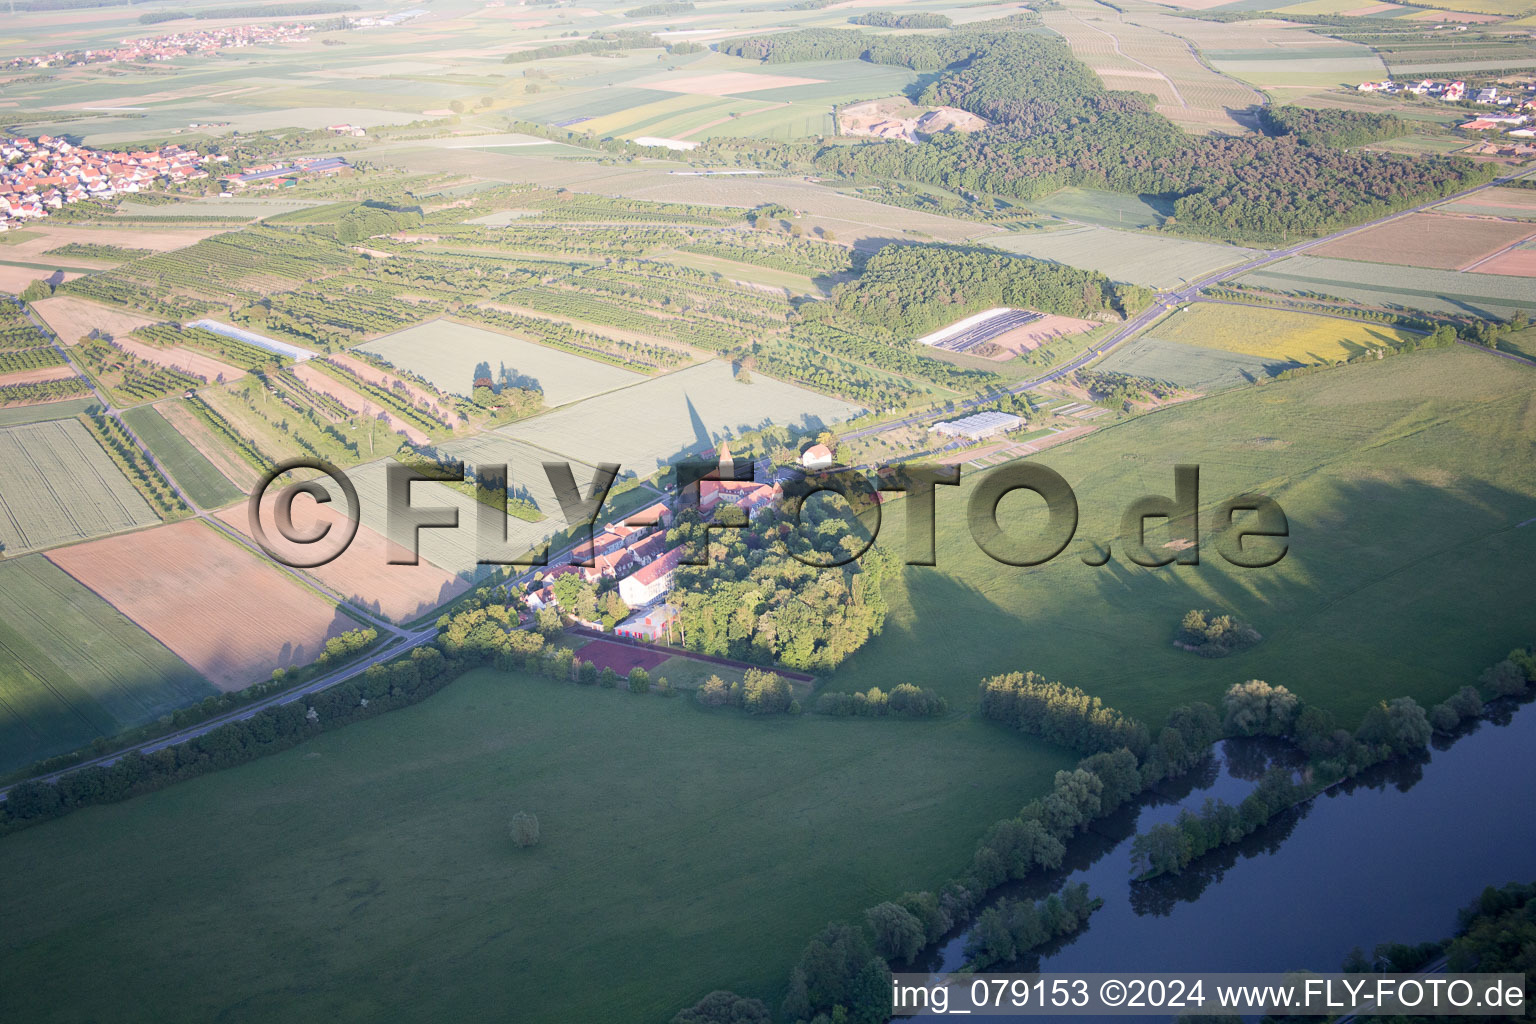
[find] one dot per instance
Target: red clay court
(620, 657)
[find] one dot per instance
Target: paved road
(1167, 301)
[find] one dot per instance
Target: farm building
(979, 425)
(650, 624)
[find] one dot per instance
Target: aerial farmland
(1204, 325)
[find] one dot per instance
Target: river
(1389, 856)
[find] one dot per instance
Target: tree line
(912, 289)
(1399, 727)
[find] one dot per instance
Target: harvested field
(356, 403)
(50, 237)
(1517, 262)
(60, 372)
(225, 612)
(362, 574)
(622, 657)
(178, 357)
(59, 486)
(73, 668)
(1518, 203)
(72, 319)
(228, 464)
(16, 279)
(1429, 240)
(722, 83)
(452, 355)
(1152, 260)
(1375, 284)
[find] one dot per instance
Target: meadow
(1106, 209)
(60, 486)
(1374, 284)
(685, 824)
(204, 484)
(73, 668)
(1152, 260)
(1190, 366)
(1299, 339)
(1402, 484)
(452, 355)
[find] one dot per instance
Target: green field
(1190, 366)
(1152, 260)
(204, 484)
(65, 410)
(60, 486)
(284, 889)
(1437, 291)
(1107, 209)
(1521, 343)
(653, 423)
(452, 355)
(73, 668)
(1403, 481)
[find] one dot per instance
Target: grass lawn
(202, 481)
(1403, 480)
(368, 874)
(73, 668)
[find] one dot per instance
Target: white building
(978, 425)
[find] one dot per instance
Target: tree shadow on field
(1363, 605)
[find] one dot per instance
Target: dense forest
(914, 289)
(1054, 124)
(1332, 127)
(895, 19)
(756, 601)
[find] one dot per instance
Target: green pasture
(283, 889)
(1190, 366)
(73, 668)
(65, 410)
(190, 468)
(1107, 209)
(1403, 482)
